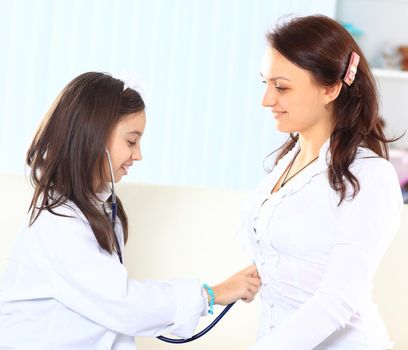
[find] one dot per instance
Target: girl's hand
(243, 285)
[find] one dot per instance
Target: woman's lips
(277, 114)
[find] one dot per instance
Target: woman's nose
(269, 98)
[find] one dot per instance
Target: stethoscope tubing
(114, 207)
(200, 334)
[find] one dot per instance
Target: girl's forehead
(133, 118)
(133, 121)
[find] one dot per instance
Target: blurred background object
(353, 30)
(399, 158)
(388, 58)
(403, 50)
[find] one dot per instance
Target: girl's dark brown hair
(67, 154)
(323, 47)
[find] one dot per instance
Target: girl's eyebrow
(135, 132)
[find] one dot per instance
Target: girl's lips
(125, 169)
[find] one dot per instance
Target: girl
(319, 224)
(65, 286)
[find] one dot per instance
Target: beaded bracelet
(212, 298)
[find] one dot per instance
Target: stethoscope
(113, 214)
(114, 208)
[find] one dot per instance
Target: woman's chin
(283, 128)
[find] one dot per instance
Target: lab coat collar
(104, 195)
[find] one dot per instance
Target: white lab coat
(316, 259)
(62, 291)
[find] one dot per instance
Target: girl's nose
(137, 154)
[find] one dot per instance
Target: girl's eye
(131, 143)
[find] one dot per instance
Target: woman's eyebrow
(274, 78)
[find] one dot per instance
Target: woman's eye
(131, 143)
(280, 88)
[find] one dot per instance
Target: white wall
(200, 62)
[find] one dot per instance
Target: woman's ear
(331, 92)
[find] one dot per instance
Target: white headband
(132, 82)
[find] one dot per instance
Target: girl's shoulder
(63, 228)
(63, 217)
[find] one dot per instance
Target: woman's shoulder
(370, 167)
(367, 160)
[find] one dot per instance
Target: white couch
(189, 232)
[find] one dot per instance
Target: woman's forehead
(275, 66)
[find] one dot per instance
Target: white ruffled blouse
(317, 259)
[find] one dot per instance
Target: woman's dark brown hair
(67, 155)
(323, 47)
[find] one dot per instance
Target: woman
(65, 286)
(319, 224)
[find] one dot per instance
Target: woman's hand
(243, 285)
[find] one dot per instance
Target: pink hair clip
(352, 68)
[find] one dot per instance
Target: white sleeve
(93, 283)
(366, 226)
